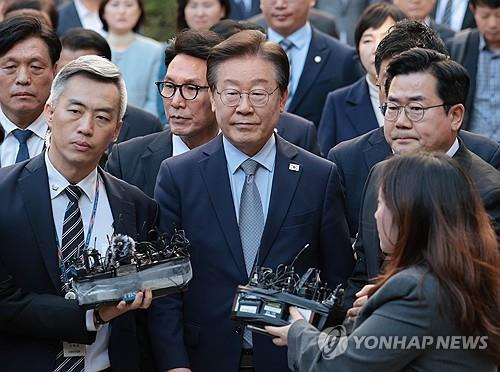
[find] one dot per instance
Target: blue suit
(68, 18)
(193, 190)
(329, 65)
(28, 254)
(348, 113)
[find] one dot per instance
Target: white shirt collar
(453, 149)
(265, 157)
(38, 127)
(57, 182)
(81, 9)
(178, 145)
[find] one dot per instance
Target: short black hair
(374, 16)
(22, 27)
(181, 17)
(452, 78)
(228, 27)
(192, 43)
(44, 6)
(488, 3)
(82, 38)
(136, 27)
(404, 35)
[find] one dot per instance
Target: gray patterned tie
(447, 13)
(251, 223)
(287, 46)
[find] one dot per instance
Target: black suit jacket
(356, 157)
(464, 48)
(483, 175)
(194, 191)
(68, 18)
(137, 161)
(33, 319)
(329, 65)
(138, 122)
(443, 31)
(237, 12)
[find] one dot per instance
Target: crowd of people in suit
(368, 131)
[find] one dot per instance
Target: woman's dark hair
(488, 3)
(181, 17)
(444, 228)
(374, 16)
(136, 27)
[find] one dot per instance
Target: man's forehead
(415, 86)
(187, 68)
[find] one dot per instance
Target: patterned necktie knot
(22, 135)
(74, 193)
(249, 166)
(287, 45)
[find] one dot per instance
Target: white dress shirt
(96, 355)
(10, 146)
(89, 19)
(266, 158)
(374, 99)
(178, 145)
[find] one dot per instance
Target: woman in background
(200, 15)
(138, 57)
(442, 279)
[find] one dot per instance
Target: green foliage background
(160, 19)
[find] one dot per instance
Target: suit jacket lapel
(377, 148)
(359, 110)
(214, 172)
(124, 217)
(311, 70)
(285, 182)
(158, 150)
(34, 189)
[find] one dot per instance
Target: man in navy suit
(319, 63)
(84, 114)
(246, 198)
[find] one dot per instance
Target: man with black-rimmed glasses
(187, 106)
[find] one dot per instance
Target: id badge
(71, 349)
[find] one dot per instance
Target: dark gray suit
(368, 261)
(68, 18)
(407, 305)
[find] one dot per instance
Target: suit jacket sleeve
(42, 316)
(312, 141)
(334, 229)
(113, 164)
(400, 308)
(165, 314)
(366, 230)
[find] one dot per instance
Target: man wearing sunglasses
(187, 105)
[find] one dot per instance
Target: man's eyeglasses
(257, 97)
(188, 91)
(414, 111)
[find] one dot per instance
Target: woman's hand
(362, 298)
(142, 301)
(281, 333)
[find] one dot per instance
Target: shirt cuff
(89, 321)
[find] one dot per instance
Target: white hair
(94, 67)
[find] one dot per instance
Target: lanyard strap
(87, 240)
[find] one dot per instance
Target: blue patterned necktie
(447, 13)
(287, 46)
(251, 223)
(22, 137)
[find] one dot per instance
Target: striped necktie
(72, 243)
